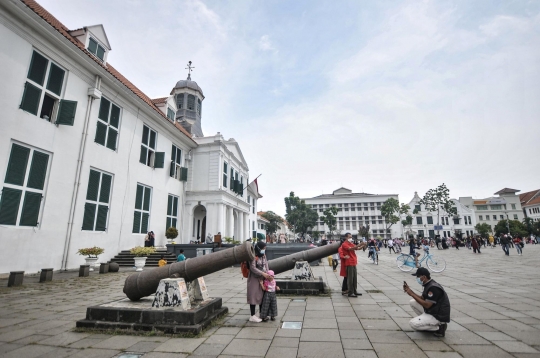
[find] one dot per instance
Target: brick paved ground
(495, 313)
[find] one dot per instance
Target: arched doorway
(199, 223)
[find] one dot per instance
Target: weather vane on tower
(189, 68)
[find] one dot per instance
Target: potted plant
(171, 234)
(141, 254)
(92, 254)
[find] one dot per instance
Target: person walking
(505, 241)
(258, 269)
(432, 307)
(518, 243)
(475, 245)
(390, 243)
(350, 261)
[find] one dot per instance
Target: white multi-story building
(530, 203)
(429, 224)
(253, 197)
(87, 159)
(354, 210)
(492, 210)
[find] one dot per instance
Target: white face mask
(349, 239)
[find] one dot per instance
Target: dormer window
(170, 114)
(191, 102)
(96, 49)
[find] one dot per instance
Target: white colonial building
(530, 203)
(425, 223)
(354, 210)
(494, 209)
(87, 159)
(253, 197)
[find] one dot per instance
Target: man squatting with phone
(432, 307)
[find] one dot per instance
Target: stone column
(211, 219)
(246, 227)
(230, 217)
(240, 224)
(220, 220)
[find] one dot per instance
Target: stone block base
(141, 316)
(302, 288)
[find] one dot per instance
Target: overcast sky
(385, 97)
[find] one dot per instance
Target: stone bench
(84, 271)
(15, 278)
(46, 275)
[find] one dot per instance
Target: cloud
(265, 44)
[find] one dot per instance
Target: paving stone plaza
(495, 313)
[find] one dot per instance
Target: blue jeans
(505, 249)
(518, 248)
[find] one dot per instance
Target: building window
(180, 101)
(417, 207)
(481, 207)
(495, 217)
(172, 211)
(24, 184)
(191, 102)
(141, 215)
(170, 114)
(502, 217)
(431, 233)
(241, 189)
(96, 49)
(420, 233)
(480, 217)
(225, 174)
(43, 90)
(148, 146)
(96, 207)
(347, 226)
(496, 207)
(108, 124)
(430, 219)
(513, 206)
(418, 220)
(231, 179)
(515, 217)
(353, 209)
(176, 162)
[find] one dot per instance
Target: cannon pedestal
(302, 282)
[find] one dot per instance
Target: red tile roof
(53, 21)
(530, 198)
(507, 191)
(159, 100)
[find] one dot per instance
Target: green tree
(391, 210)
(273, 221)
(529, 225)
(437, 199)
(299, 215)
(363, 231)
(516, 228)
(407, 222)
(329, 218)
(483, 229)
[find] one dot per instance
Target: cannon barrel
(141, 284)
(286, 263)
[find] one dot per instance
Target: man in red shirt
(350, 261)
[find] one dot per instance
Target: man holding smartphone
(349, 262)
(432, 307)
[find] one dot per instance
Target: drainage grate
(299, 300)
(373, 291)
(130, 355)
(292, 325)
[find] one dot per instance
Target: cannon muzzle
(141, 284)
(286, 263)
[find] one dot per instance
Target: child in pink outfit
(269, 303)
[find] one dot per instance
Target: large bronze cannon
(145, 283)
(286, 263)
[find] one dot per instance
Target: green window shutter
(175, 206)
(111, 138)
(89, 215)
(56, 79)
(169, 205)
(105, 191)
(139, 197)
(66, 112)
(136, 222)
(92, 45)
(38, 170)
(93, 186)
(9, 206)
(101, 220)
(173, 153)
(16, 170)
(144, 222)
(100, 53)
(30, 209)
(172, 169)
(104, 106)
(101, 133)
(159, 160)
(142, 157)
(38, 67)
(115, 116)
(30, 100)
(183, 173)
(146, 202)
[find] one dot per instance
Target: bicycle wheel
(436, 263)
(404, 263)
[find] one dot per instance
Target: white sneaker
(255, 319)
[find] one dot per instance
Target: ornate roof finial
(189, 68)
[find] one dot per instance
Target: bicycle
(374, 255)
(435, 263)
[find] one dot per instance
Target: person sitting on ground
(432, 307)
(181, 256)
(162, 262)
